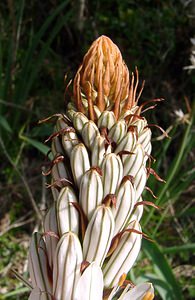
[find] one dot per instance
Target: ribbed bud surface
(98, 235)
(67, 261)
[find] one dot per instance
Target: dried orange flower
(103, 77)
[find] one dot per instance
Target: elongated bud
(112, 170)
(140, 181)
(79, 161)
(51, 233)
(89, 133)
(133, 162)
(125, 200)
(61, 124)
(54, 190)
(67, 262)
(118, 131)
(145, 140)
(99, 151)
(56, 146)
(59, 172)
(90, 285)
(69, 140)
(123, 257)
(137, 213)
(138, 123)
(91, 192)
(38, 264)
(79, 121)
(98, 235)
(107, 119)
(128, 143)
(67, 215)
(143, 291)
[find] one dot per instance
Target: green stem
(175, 166)
(34, 205)
(177, 249)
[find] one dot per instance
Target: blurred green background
(40, 42)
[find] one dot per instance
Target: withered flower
(103, 77)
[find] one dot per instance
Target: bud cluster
(101, 149)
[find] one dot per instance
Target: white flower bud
(89, 133)
(79, 160)
(140, 181)
(125, 200)
(69, 140)
(133, 162)
(90, 285)
(99, 151)
(98, 235)
(143, 291)
(67, 215)
(112, 170)
(128, 143)
(145, 139)
(56, 146)
(38, 264)
(67, 262)
(137, 213)
(79, 120)
(59, 172)
(91, 192)
(118, 131)
(124, 256)
(50, 227)
(107, 119)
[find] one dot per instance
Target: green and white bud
(59, 172)
(107, 119)
(112, 170)
(38, 264)
(91, 192)
(89, 133)
(98, 235)
(90, 285)
(79, 120)
(67, 215)
(67, 263)
(143, 291)
(51, 233)
(99, 151)
(118, 131)
(125, 200)
(128, 143)
(140, 181)
(69, 140)
(79, 160)
(133, 162)
(145, 138)
(137, 213)
(61, 124)
(56, 146)
(123, 258)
